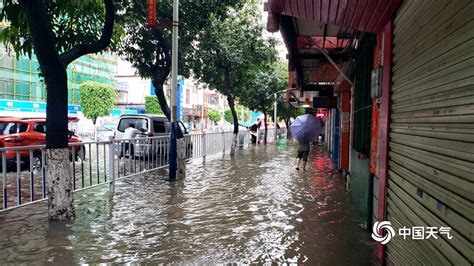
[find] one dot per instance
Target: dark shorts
(303, 155)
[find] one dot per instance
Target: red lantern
(152, 23)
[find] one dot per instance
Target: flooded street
(255, 208)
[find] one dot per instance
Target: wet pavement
(255, 208)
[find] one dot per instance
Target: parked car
(151, 126)
(106, 131)
(19, 132)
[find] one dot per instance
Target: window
(159, 127)
(12, 128)
(139, 123)
(40, 127)
(188, 96)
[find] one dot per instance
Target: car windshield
(139, 123)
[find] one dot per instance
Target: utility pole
(173, 154)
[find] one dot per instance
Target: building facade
(402, 127)
(20, 77)
(195, 99)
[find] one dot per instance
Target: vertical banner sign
(179, 111)
(152, 14)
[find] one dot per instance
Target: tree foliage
(97, 99)
(287, 112)
(152, 106)
(59, 32)
(230, 46)
(242, 110)
(239, 109)
(75, 24)
(214, 115)
(260, 90)
(149, 50)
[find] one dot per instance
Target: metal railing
(272, 134)
(95, 163)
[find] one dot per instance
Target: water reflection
(253, 209)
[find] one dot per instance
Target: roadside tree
(228, 47)
(152, 106)
(228, 116)
(149, 49)
(286, 113)
(258, 95)
(214, 115)
(59, 32)
(97, 100)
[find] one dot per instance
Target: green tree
(149, 49)
(239, 109)
(228, 116)
(287, 112)
(214, 115)
(228, 47)
(59, 32)
(97, 100)
(258, 95)
(243, 110)
(152, 106)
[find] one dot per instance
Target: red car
(17, 132)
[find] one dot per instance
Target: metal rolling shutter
(431, 165)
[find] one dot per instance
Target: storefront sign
(35, 107)
(325, 102)
(192, 111)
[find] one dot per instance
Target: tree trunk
(94, 121)
(265, 123)
(230, 100)
(158, 83)
(59, 181)
(288, 130)
(160, 95)
(53, 68)
(181, 149)
(58, 172)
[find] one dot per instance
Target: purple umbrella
(306, 128)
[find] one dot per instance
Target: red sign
(152, 23)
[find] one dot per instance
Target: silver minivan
(151, 126)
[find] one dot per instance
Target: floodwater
(255, 208)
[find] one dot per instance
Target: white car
(151, 126)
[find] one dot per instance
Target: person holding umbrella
(306, 128)
(303, 154)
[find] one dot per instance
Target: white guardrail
(95, 163)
